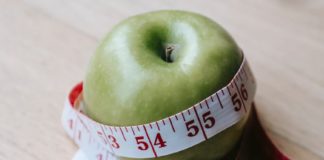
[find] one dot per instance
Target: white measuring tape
(178, 132)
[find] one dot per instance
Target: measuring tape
(178, 132)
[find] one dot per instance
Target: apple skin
(129, 82)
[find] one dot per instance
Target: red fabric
(75, 93)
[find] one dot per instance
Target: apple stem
(168, 52)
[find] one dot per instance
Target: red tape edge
(255, 143)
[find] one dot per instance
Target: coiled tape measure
(178, 132)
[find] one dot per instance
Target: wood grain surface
(45, 46)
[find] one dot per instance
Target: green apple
(156, 64)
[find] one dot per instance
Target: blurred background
(45, 46)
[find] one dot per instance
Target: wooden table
(45, 46)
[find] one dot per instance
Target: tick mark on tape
(70, 123)
(126, 129)
(220, 103)
(75, 127)
(111, 131)
(188, 111)
(207, 104)
(157, 124)
(171, 124)
(101, 135)
(212, 99)
(81, 121)
(183, 117)
(132, 130)
(79, 135)
(245, 74)
(202, 128)
(163, 122)
(229, 92)
(121, 131)
(150, 125)
(200, 106)
(176, 117)
(148, 137)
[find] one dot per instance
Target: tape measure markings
(200, 122)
